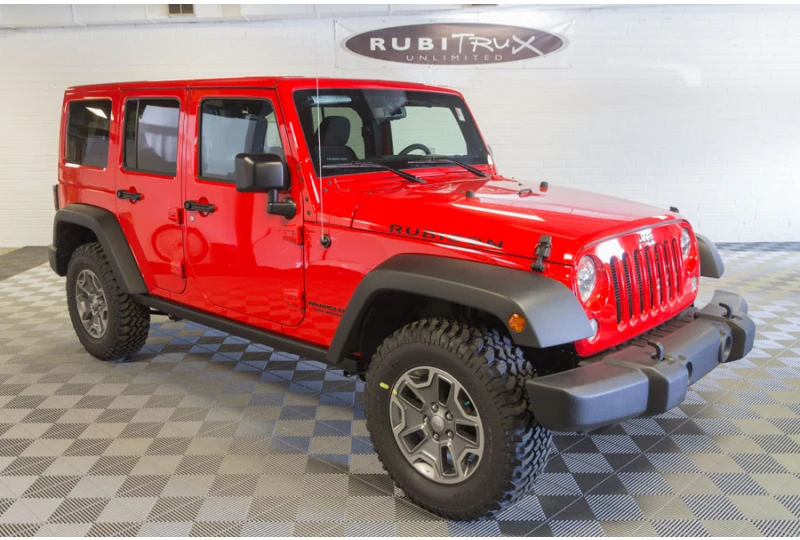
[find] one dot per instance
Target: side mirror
(261, 173)
(265, 173)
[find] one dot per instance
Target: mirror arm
(286, 208)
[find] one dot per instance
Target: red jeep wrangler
(364, 224)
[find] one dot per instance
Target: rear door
(149, 193)
(243, 258)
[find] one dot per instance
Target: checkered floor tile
(206, 434)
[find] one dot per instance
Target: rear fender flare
(554, 315)
(108, 231)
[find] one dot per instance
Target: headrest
(334, 131)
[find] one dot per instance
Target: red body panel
(152, 225)
(239, 255)
(265, 270)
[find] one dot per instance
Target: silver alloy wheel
(436, 425)
(91, 303)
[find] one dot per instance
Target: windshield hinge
(542, 252)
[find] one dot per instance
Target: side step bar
(246, 331)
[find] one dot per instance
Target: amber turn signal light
(516, 322)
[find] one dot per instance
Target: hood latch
(542, 252)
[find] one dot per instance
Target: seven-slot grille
(647, 278)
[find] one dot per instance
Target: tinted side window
(229, 127)
(151, 136)
(87, 132)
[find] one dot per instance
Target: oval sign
(454, 44)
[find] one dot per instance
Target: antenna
(324, 239)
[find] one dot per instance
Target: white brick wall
(695, 107)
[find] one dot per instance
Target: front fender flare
(711, 264)
(553, 313)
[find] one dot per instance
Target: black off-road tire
(128, 322)
(493, 371)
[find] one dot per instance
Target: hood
(503, 215)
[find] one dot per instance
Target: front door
(149, 189)
(242, 258)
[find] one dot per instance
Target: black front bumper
(648, 376)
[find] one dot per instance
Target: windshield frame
(477, 154)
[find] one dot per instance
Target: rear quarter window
(86, 141)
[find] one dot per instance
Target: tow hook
(728, 311)
(658, 356)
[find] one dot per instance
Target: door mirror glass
(261, 173)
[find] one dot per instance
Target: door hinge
(294, 297)
(293, 233)
(178, 269)
(175, 214)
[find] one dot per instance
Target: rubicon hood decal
(416, 232)
(454, 43)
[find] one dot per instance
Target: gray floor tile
(208, 435)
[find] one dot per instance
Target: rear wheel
(450, 420)
(109, 324)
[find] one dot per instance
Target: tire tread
(134, 319)
(500, 365)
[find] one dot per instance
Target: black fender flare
(108, 231)
(554, 315)
(711, 264)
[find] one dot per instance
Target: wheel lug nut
(449, 415)
(435, 436)
(434, 407)
(425, 420)
(449, 434)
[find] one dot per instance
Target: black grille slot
(651, 286)
(640, 285)
(668, 270)
(628, 288)
(615, 283)
(678, 266)
(662, 287)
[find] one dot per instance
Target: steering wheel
(416, 146)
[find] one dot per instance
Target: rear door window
(151, 136)
(86, 140)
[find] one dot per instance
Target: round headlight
(587, 278)
(686, 242)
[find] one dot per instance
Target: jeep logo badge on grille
(454, 43)
(646, 238)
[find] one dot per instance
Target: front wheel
(450, 420)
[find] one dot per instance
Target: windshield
(400, 128)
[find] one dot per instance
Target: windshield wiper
(434, 159)
(374, 165)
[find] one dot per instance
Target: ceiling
(65, 15)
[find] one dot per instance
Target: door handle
(129, 195)
(194, 206)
